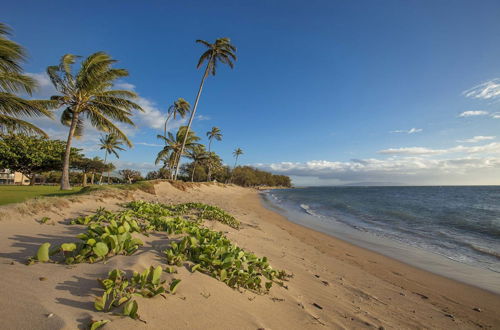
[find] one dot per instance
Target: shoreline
(353, 287)
(419, 258)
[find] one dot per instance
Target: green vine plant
(201, 249)
(99, 242)
(212, 253)
(119, 290)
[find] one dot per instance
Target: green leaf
(130, 309)
(195, 267)
(100, 302)
(173, 285)
(97, 324)
(68, 247)
(100, 249)
(43, 253)
(223, 275)
(155, 279)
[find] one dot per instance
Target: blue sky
(329, 92)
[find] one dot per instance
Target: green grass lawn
(15, 194)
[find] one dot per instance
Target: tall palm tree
(171, 153)
(236, 153)
(13, 81)
(180, 108)
(110, 143)
(213, 134)
(220, 51)
(88, 94)
(196, 154)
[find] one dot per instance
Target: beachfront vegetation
(88, 94)
(213, 134)
(248, 176)
(191, 245)
(171, 153)
(221, 51)
(180, 108)
(13, 81)
(110, 143)
(130, 175)
(88, 167)
(31, 155)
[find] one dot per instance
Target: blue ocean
(461, 223)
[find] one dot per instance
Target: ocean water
(459, 223)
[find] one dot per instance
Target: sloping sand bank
(335, 285)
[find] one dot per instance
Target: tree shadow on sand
(27, 246)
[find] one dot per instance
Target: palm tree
(236, 153)
(216, 134)
(171, 153)
(89, 95)
(196, 154)
(110, 143)
(180, 107)
(220, 51)
(13, 81)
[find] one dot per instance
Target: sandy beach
(335, 285)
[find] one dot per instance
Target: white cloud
(472, 113)
(203, 117)
(412, 151)
(495, 115)
(491, 148)
(487, 90)
(125, 85)
(478, 138)
(45, 87)
(411, 170)
(409, 131)
(149, 144)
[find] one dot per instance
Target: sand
(335, 285)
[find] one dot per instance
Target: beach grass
(15, 194)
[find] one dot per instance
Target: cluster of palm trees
(88, 96)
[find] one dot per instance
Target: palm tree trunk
(232, 172)
(102, 173)
(84, 179)
(109, 174)
(194, 169)
(165, 129)
(92, 178)
(205, 75)
(209, 174)
(65, 170)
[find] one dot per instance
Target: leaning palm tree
(213, 134)
(236, 153)
(13, 81)
(171, 153)
(88, 94)
(197, 155)
(110, 143)
(220, 51)
(180, 108)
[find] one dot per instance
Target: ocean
(458, 223)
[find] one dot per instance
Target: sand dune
(335, 285)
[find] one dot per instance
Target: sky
(329, 92)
